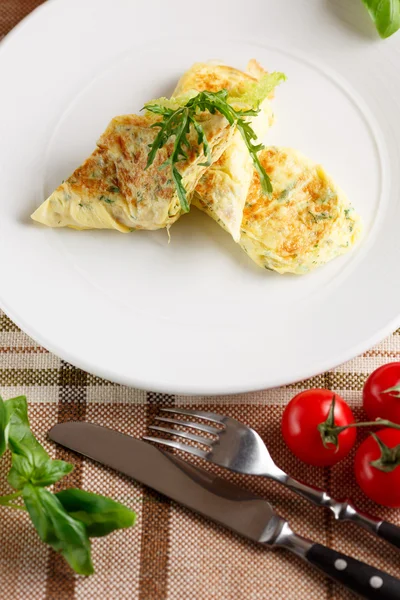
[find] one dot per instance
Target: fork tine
(183, 434)
(200, 426)
(177, 445)
(200, 414)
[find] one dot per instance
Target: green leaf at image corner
(385, 14)
(57, 528)
(100, 515)
(3, 427)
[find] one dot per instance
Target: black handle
(359, 577)
(390, 533)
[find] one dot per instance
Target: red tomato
(378, 402)
(300, 423)
(382, 487)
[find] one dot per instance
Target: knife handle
(368, 582)
(390, 533)
(359, 577)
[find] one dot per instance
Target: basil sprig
(65, 520)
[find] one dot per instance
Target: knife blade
(197, 489)
(219, 500)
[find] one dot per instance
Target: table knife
(219, 500)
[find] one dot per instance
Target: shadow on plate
(201, 233)
(353, 15)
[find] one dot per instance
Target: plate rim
(205, 391)
(213, 389)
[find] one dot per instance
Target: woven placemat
(171, 553)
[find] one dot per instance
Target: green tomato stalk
(393, 391)
(389, 458)
(329, 431)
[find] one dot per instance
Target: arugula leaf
(3, 427)
(385, 14)
(177, 122)
(58, 529)
(248, 135)
(100, 514)
(219, 101)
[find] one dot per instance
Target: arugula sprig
(176, 122)
(65, 520)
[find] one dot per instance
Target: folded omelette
(112, 189)
(306, 222)
(221, 191)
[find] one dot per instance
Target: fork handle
(345, 511)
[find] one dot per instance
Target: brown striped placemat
(171, 553)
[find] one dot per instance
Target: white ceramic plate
(196, 316)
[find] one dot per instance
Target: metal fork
(240, 449)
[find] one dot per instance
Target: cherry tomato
(377, 400)
(300, 423)
(382, 487)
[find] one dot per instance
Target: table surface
(172, 553)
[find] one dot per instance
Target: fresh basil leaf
(50, 472)
(100, 515)
(385, 14)
(47, 473)
(20, 472)
(20, 438)
(58, 529)
(3, 427)
(30, 463)
(18, 406)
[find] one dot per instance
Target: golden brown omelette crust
(128, 137)
(97, 174)
(206, 77)
(302, 227)
(305, 222)
(114, 188)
